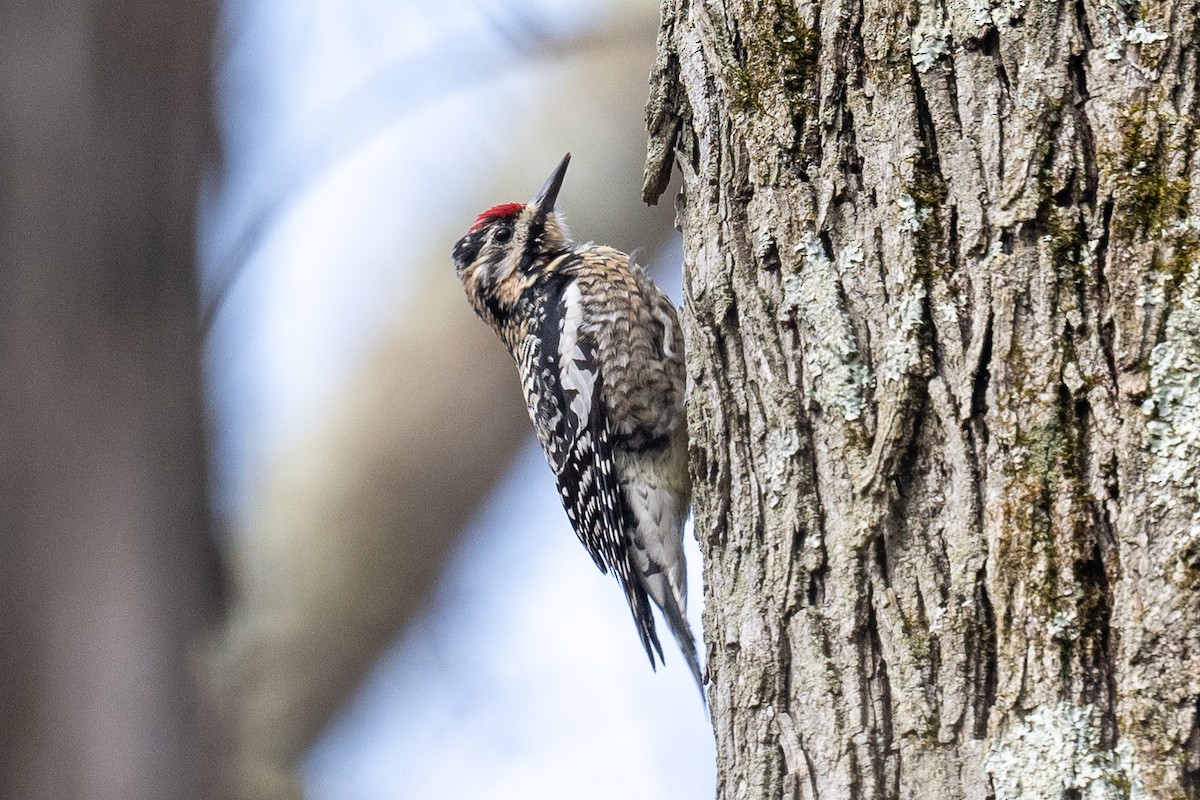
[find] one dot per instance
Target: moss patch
(785, 61)
(1149, 201)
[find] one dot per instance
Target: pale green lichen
(782, 446)
(1087, 254)
(947, 312)
(1140, 34)
(902, 352)
(1064, 625)
(984, 13)
(1072, 378)
(834, 374)
(1056, 749)
(1173, 407)
(912, 215)
(1156, 293)
(981, 13)
(930, 38)
(851, 256)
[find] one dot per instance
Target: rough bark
(943, 312)
(106, 566)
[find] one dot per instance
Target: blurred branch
(107, 574)
(353, 527)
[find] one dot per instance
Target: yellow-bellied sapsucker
(600, 354)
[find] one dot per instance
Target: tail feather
(639, 591)
(643, 617)
(667, 598)
(654, 518)
(683, 637)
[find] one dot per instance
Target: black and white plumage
(600, 355)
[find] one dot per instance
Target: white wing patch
(572, 376)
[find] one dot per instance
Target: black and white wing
(562, 379)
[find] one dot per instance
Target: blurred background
(272, 524)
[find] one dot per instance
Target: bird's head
(506, 250)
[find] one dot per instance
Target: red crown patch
(502, 211)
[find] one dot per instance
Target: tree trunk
(943, 315)
(106, 565)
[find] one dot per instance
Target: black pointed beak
(549, 193)
(543, 206)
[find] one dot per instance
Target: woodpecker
(599, 350)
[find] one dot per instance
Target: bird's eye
(502, 234)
